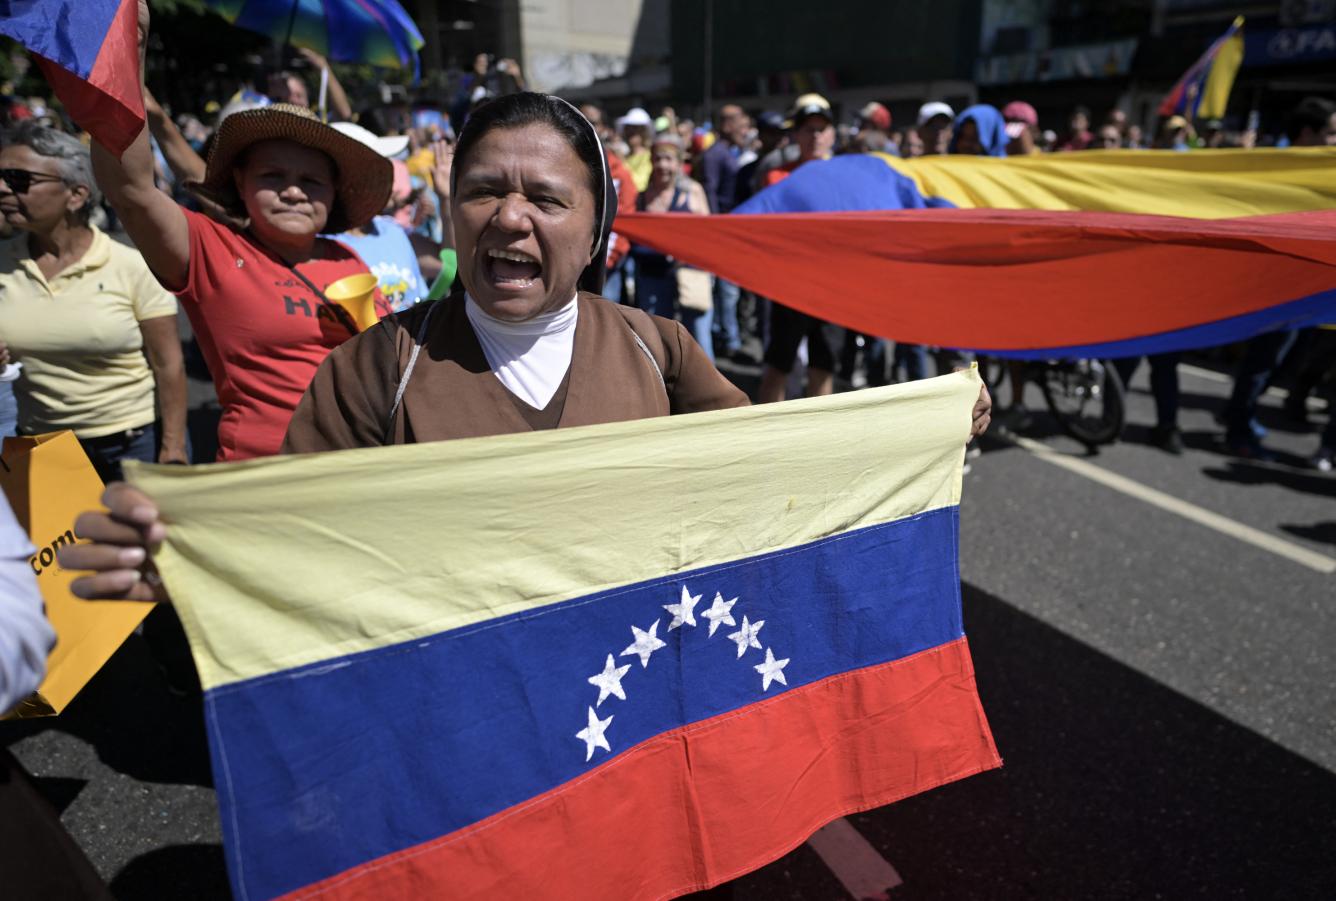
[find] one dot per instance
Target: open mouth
(512, 268)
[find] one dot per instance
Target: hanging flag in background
(1023, 283)
(630, 680)
(1039, 256)
(1203, 91)
(89, 52)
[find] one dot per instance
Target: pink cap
(1020, 111)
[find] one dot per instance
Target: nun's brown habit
(453, 393)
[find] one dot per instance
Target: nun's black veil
(605, 198)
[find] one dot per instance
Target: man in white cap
(812, 126)
(934, 126)
(637, 130)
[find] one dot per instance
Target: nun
(527, 343)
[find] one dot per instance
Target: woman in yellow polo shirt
(94, 330)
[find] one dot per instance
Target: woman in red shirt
(255, 294)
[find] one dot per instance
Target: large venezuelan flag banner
(1037, 257)
(625, 661)
(89, 52)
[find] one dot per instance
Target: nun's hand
(982, 414)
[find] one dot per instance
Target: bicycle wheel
(1086, 398)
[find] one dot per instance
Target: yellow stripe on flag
(1198, 184)
(1220, 81)
(520, 521)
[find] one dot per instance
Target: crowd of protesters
(248, 212)
(659, 163)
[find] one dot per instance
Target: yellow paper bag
(49, 482)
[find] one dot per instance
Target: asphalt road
(1163, 694)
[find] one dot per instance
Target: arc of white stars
(745, 637)
(593, 734)
(719, 613)
(682, 611)
(772, 670)
(645, 643)
(609, 682)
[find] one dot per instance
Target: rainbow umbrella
(375, 32)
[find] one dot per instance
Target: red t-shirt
(262, 330)
(618, 245)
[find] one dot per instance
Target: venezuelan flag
(623, 661)
(1203, 91)
(1098, 253)
(89, 52)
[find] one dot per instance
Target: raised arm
(338, 97)
(152, 219)
(443, 156)
(186, 164)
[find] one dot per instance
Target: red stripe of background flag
(89, 52)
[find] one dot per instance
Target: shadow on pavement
(1318, 531)
(1244, 472)
(180, 871)
(135, 724)
(1114, 787)
(59, 791)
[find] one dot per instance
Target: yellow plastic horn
(356, 294)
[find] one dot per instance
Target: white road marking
(1212, 376)
(861, 869)
(1200, 515)
(1209, 374)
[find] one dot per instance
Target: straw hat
(361, 183)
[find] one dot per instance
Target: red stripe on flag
(110, 104)
(717, 799)
(1011, 279)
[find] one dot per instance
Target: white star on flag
(609, 682)
(592, 735)
(645, 643)
(682, 612)
(745, 637)
(772, 670)
(718, 613)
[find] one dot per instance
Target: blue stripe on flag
(387, 749)
(1316, 309)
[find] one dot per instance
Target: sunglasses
(20, 180)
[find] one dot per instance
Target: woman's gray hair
(72, 159)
